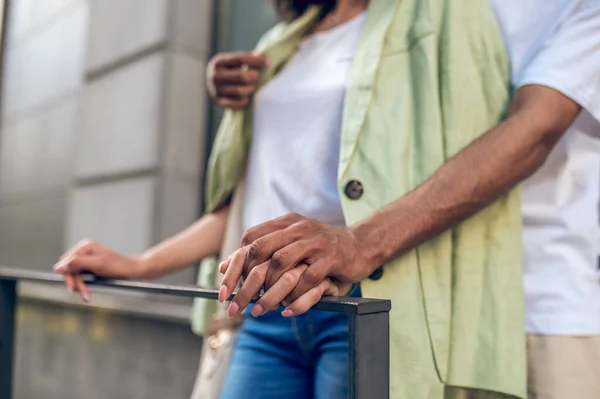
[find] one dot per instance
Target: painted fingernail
(233, 309)
(60, 266)
(258, 310)
(287, 313)
(223, 294)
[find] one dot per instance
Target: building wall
(93, 354)
(102, 135)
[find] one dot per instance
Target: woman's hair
(288, 10)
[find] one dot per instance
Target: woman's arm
(202, 239)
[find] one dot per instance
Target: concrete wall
(102, 135)
(81, 354)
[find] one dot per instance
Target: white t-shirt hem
(563, 324)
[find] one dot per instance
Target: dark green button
(377, 274)
(354, 189)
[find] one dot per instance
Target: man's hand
(232, 77)
(293, 255)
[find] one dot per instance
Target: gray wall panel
(30, 232)
(65, 353)
(121, 28)
(121, 120)
(36, 153)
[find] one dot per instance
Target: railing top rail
(352, 306)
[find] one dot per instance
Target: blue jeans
(302, 357)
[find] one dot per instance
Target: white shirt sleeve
(569, 59)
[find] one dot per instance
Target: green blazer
(428, 78)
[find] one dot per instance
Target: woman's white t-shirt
(293, 160)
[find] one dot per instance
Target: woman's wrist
(145, 266)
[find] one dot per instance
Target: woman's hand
(278, 293)
(232, 77)
(271, 251)
(89, 256)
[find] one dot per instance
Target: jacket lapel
(362, 75)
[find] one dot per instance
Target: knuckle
(311, 277)
(239, 91)
(255, 251)
(321, 239)
(85, 243)
(246, 77)
(303, 225)
(257, 274)
(294, 216)
(289, 279)
(279, 259)
(315, 296)
(247, 237)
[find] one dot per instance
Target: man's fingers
(288, 257)
(235, 77)
(275, 247)
(232, 104)
(265, 228)
(237, 59)
(232, 274)
(236, 92)
(279, 291)
(252, 285)
(312, 277)
(307, 300)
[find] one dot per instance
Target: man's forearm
(474, 178)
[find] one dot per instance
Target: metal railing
(368, 328)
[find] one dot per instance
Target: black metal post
(369, 348)
(8, 300)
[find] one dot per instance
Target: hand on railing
(89, 256)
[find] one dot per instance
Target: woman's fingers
(74, 283)
(308, 299)
(252, 285)
(279, 291)
(224, 265)
(80, 262)
(83, 289)
(70, 282)
(233, 273)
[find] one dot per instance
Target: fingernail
(223, 294)
(221, 267)
(258, 310)
(233, 309)
(71, 290)
(86, 297)
(287, 313)
(285, 303)
(60, 266)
